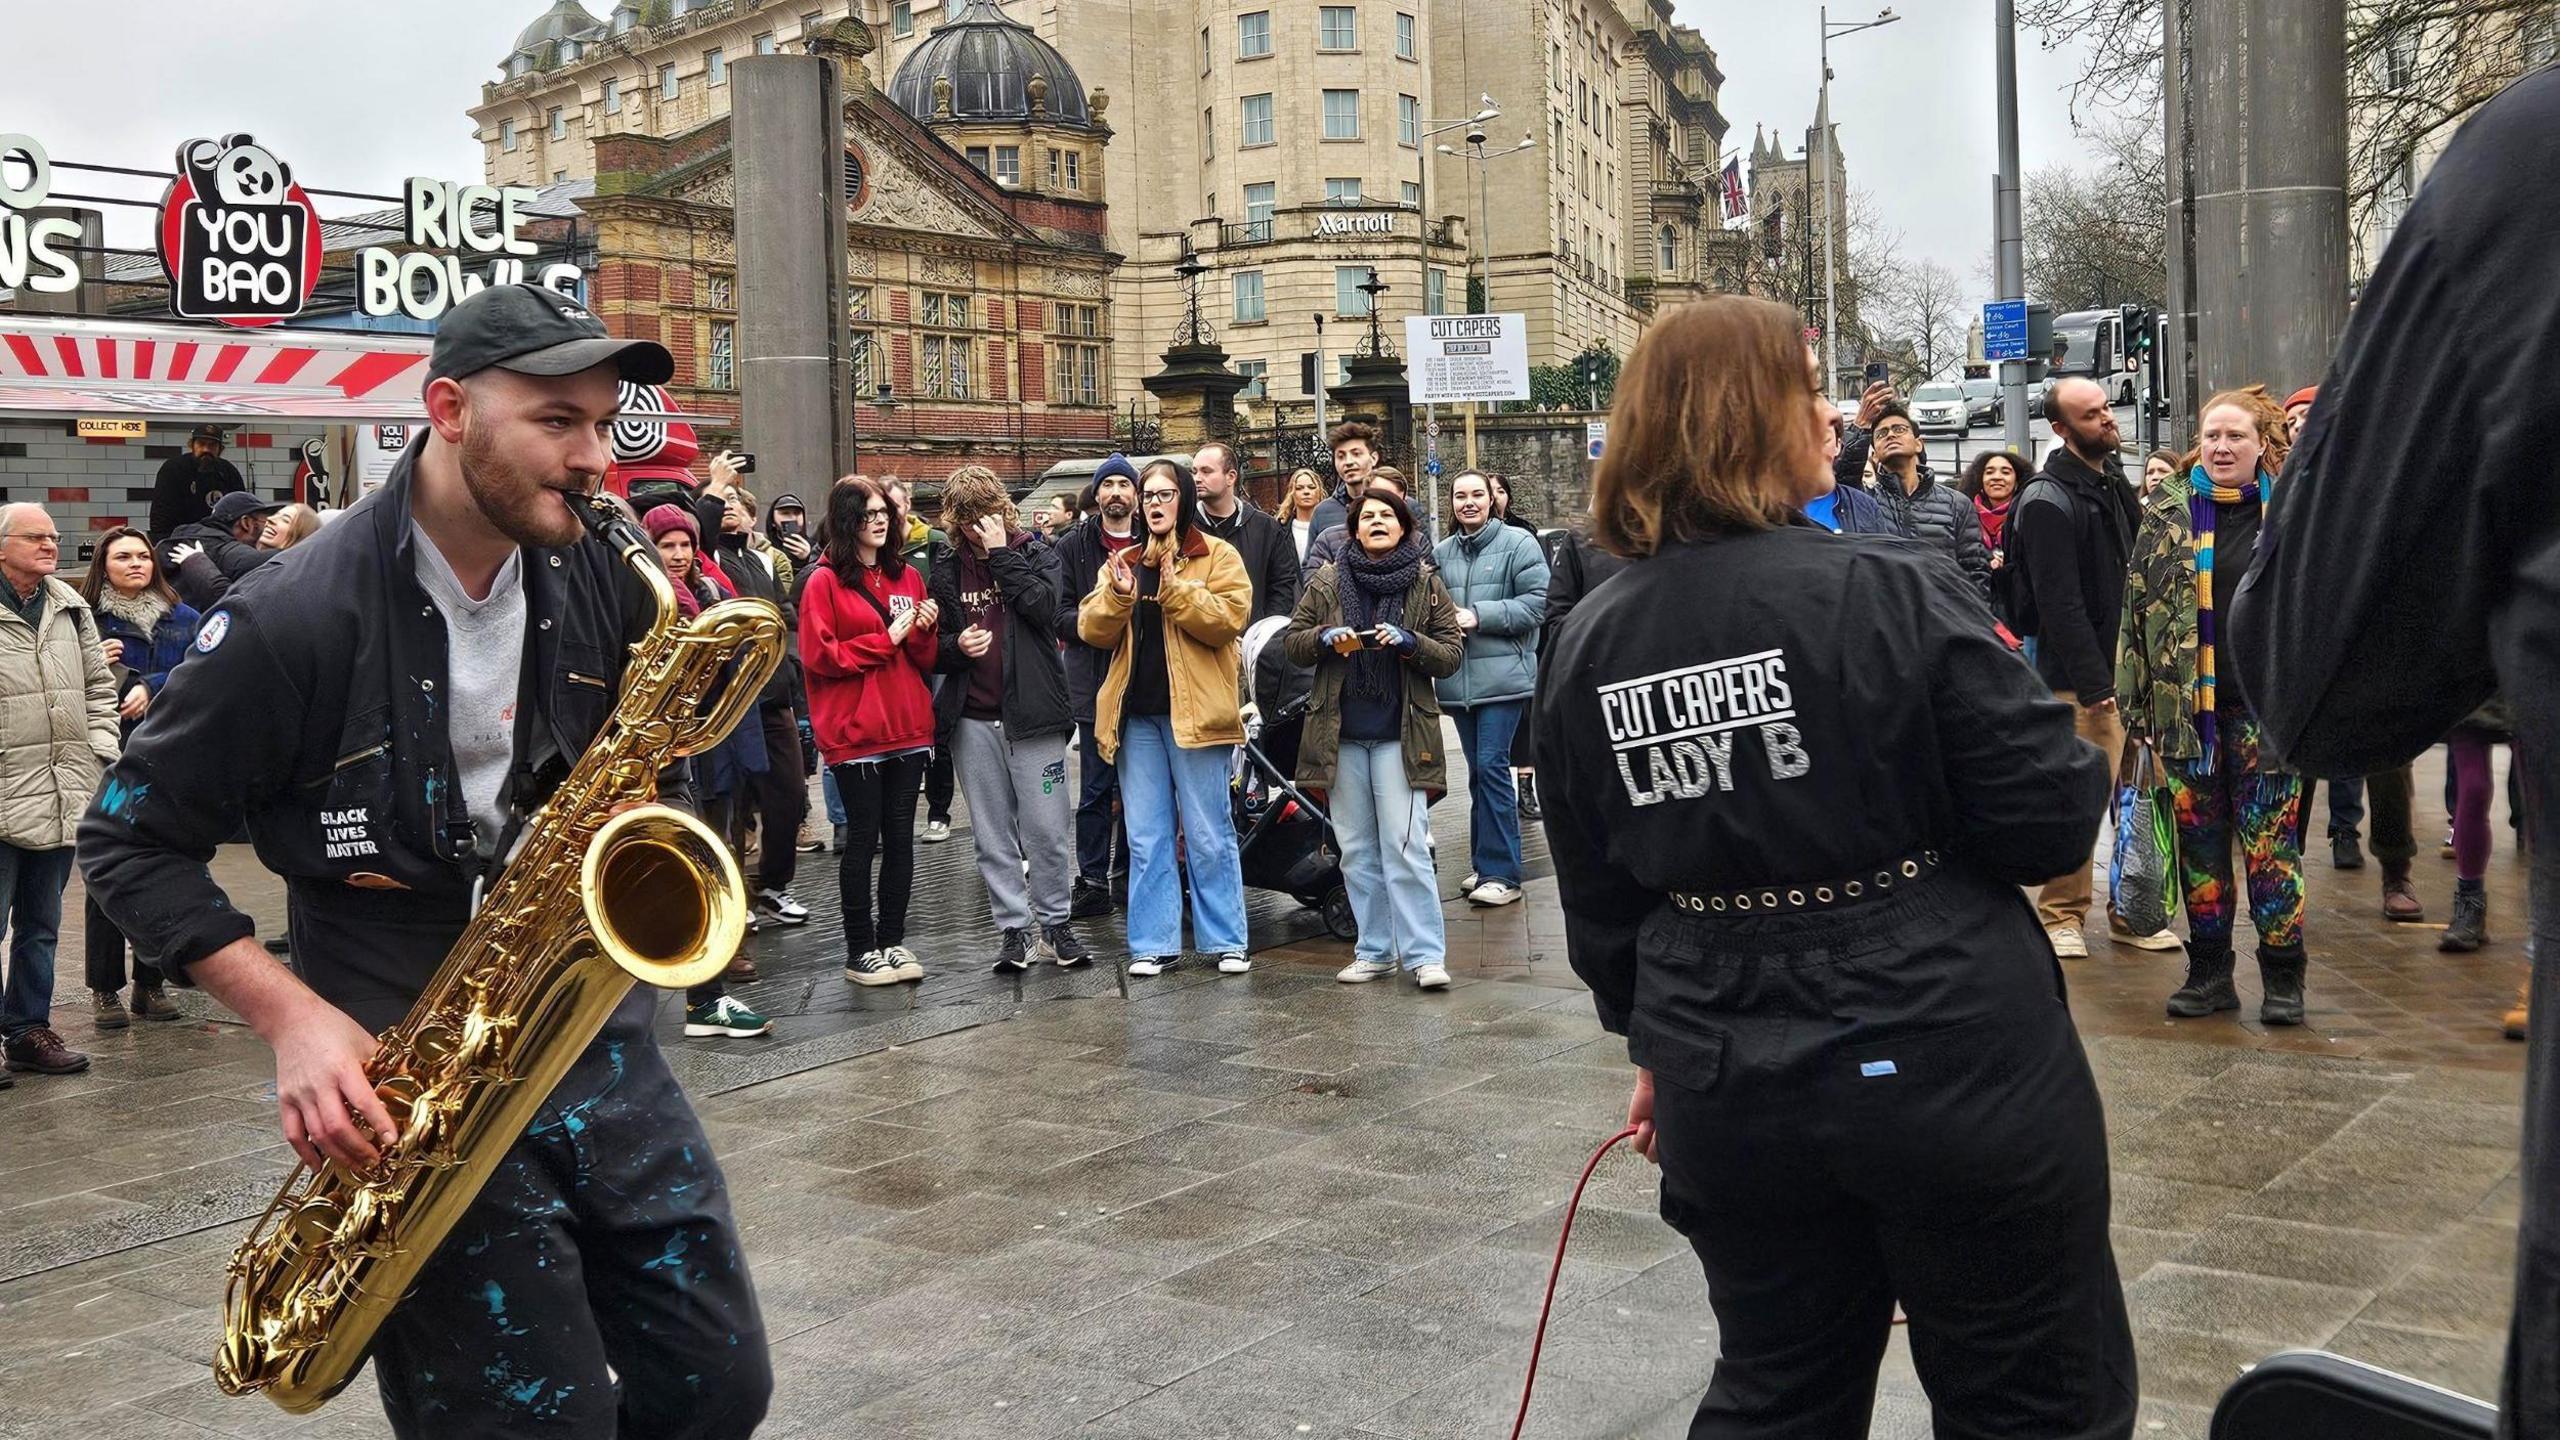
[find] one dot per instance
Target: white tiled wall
(88, 486)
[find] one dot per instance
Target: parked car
(1941, 406)
(1984, 403)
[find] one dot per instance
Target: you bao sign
(32, 247)
(239, 241)
(481, 220)
(1455, 358)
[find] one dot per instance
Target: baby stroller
(1283, 838)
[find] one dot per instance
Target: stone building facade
(1682, 249)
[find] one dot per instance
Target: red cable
(1530, 1386)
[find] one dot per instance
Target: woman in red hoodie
(868, 637)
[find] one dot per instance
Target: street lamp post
(1481, 241)
(1490, 111)
(1830, 266)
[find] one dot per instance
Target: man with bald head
(57, 734)
(2069, 537)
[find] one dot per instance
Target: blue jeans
(1493, 816)
(1383, 825)
(1164, 787)
(31, 884)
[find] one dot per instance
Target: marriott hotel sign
(1350, 224)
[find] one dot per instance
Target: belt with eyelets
(1795, 899)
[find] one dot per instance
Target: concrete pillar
(794, 373)
(2270, 199)
(2178, 341)
(1195, 396)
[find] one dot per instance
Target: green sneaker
(724, 1016)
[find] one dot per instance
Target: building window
(1261, 202)
(1057, 170)
(810, 22)
(1413, 194)
(978, 156)
(1074, 160)
(1079, 367)
(571, 50)
(507, 135)
(723, 288)
(1342, 114)
(624, 19)
(951, 312)
(1257, 120)
(764, 43)
(1204, 50)
(668, 85)
(557, 123)
(1253, 35)
(1348, 298)
(559, 176)
(1257, 376)
(613, 97)
(865, 348)
(902, 19)
(1338, 27)
(715, 68)
(951, 9)
(722, 372)
(1009, 165)
(946, 366)
(1667, 253)
(1409, 121)
(1342, 190)
(1208, 135)
(1435, 291)
(1248, 297)
(1404, 37)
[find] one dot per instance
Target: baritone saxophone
(608, 887)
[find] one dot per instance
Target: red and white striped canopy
(90, 367)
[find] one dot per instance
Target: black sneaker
(1064, 947)
(1014, 956)
(1091, 901)
(872, 968)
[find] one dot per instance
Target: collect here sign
(1453, 358)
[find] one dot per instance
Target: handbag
(2142, 881)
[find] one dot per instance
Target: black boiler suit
(1789, 832)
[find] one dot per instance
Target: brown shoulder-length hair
(94, 583)
(846, 501)
(1714, 405)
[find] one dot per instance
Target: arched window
(1669, 253)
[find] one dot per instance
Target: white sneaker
(936, 831)
(1361, 972)
(1432, 977)
(1147, 966)
(904, 961)
(1494, 892)
(2157, 940)
(1468, 885)
(1234, 962)
(2067, 944)
(780, 907)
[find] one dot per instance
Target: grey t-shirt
(484, 643)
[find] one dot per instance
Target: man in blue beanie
(1082, 551)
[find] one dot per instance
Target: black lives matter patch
(1674, 732)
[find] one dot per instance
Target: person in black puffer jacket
(1922, 508)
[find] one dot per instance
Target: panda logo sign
(239, 240)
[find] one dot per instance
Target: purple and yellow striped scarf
(2200, 523)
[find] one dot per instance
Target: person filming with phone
(1379, 628)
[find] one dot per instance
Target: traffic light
(2138, 330)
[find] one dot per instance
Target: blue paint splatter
(673, 1259)
(121, 800)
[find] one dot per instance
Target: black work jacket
(1080, 555)
(1827, 705)
(1035, 678)
(1270, 557)
(311, 706)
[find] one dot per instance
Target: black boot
(2470, 928)
(2280, 975)
(2208, 986)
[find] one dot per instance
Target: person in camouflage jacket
(2156, 660)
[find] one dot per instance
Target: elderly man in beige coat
(57, 736)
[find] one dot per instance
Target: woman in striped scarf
(2193, 546)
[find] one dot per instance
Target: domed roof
(562, 21)
(991, 60)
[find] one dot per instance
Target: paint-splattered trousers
(604, 1239)
(2246, 799)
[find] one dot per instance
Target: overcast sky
(356, 96)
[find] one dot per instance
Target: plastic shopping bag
(2142, 882)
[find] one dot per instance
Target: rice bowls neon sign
(474, 219)
(28, 257)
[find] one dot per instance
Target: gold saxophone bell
(606, 888)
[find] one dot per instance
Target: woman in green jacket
(1378, 628)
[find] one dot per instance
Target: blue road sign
(1432, 466)
(2004, 330)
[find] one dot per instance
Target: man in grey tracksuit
(1005, 681)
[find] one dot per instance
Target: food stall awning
(87, 367)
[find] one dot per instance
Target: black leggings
(106, 955)
(879, 815)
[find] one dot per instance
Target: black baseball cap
(238, 505)
(536, 331)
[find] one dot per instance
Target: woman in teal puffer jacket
(1498, 576)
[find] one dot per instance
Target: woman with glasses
(869, 635)
(1789, 839)
(146, 629)
(1170, 609)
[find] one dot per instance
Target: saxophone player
(384, 706)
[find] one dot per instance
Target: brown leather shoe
(2400, 901)
(43, 1052)
(742, 970)
(153, 1004)
(106, 1010)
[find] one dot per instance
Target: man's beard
(518, 503)
(1116, 514)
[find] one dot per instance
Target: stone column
(1195, 396)
(794, 365)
